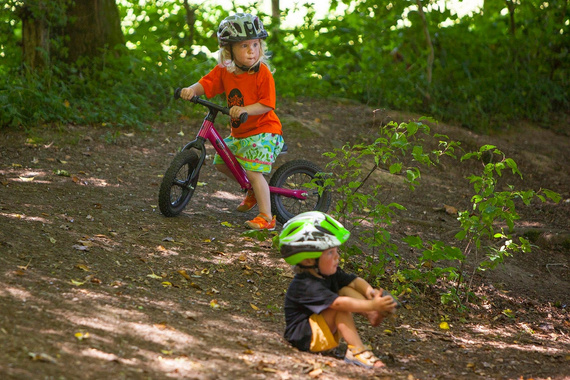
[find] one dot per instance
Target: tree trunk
(275, 18)
(511, 7)
(190, 20)
(35, 40)
(429, 44)
(275, 12)
(94, 26)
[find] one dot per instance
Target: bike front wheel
(179, 183)
(297, 174)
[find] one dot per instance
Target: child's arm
(363, 287)
(252, 109)
(354, 305)
(188, 93)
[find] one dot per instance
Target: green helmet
(240, 27)
(307, 235)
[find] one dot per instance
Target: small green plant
(399, 150)
(486, 233)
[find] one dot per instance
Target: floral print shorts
(254, 153)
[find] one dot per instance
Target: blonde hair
(225, 57)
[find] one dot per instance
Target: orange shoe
(248, 203)
(261, 223)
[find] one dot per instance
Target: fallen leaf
(41, 357)
(316, 372)
(152, 275)
(183, 273)
(25, 267)
(27, 178)
(253, 306)
(82, 267)
(444, 326)
(450, 210)
(214, 304)
(81, 336)
(77, 283)
(166, 284)
(61, 173)
(227, 224)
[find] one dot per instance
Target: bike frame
(208, 132)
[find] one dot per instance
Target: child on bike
(321, 299)
(243, 75)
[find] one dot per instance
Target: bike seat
(284, 149)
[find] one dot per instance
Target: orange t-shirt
(242, 90)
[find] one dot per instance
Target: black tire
(294, 175)
(176, 189)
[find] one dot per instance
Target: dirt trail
(95, 283)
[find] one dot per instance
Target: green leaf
(396, 168)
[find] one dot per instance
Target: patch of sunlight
(21, 294)
(487, 338)
(25, 217)
(226, 195)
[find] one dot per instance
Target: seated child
(322, 297)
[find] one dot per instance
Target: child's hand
(236, 111)
(384, 304)
(187, 93)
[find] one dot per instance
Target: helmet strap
(246, 69)
(315, 266)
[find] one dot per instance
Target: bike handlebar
(212, 106)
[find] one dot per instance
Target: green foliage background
(485, 75)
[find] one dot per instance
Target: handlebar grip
(243, 117)
(177, 93)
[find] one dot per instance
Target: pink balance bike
(290, 194)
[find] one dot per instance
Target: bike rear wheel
(179, 183)
(295, 175)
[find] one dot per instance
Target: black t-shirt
(309, 295)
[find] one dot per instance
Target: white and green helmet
(307, 235)
(240, 27)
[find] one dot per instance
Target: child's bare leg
(261, 190)
(374, 317)
(344, 321)
(222, 168)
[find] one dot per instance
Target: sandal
(260, 222)
(363, 356)
(248, 203)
